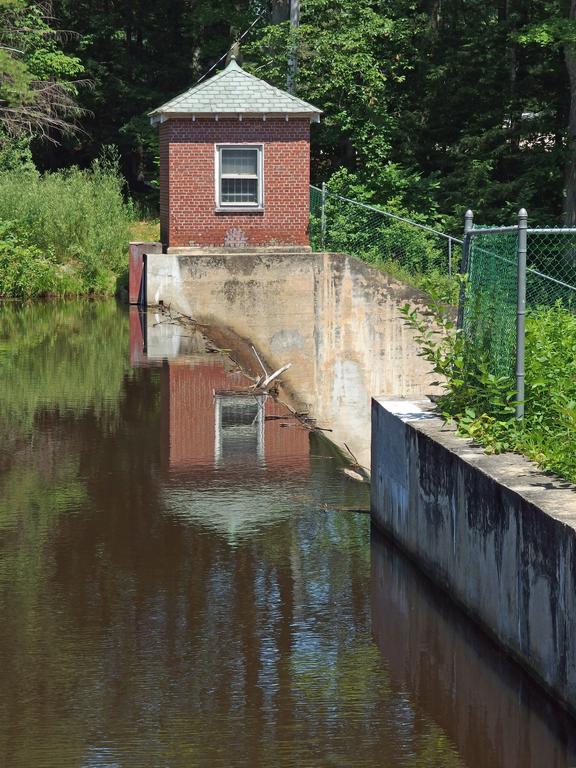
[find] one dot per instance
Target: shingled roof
(234, 92)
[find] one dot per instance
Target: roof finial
(233, 54)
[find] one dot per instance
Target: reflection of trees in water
(129, 637)
(63, 465)
(66, 355)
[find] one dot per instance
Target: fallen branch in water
(260, 361)
(266, 383)
(355, 510)
(353, 475)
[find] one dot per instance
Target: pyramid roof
(235, 92)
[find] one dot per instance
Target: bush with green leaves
(25, 272)
(76, 221)
(483, 405)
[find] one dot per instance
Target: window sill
(238, 209)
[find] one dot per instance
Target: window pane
(239, 191)
(240, 162)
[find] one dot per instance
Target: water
(182, 582)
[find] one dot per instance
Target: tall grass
(76, 221)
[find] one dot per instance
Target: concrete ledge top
(555, 496)
(194, 251)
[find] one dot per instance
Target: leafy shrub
(483, 405)
(77, 221)
(549, 433)
(25, 272)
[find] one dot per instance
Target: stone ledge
(555, 496)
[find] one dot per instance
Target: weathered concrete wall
(498, 535)
(333, 317)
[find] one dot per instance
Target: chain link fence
(510, 270)
(385, 239)
(513, 271)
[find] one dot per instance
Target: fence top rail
(389, 215)
(530, 230)
(552, 279)
(551, 230)
(529, 270)
(492, 230)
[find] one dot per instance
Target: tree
(435, 105)
(138, 54)
(37, 88)
(553, 31)
(353, 58)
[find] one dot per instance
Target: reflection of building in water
(155, 338)
(208, 418)
(239, 428)
(137, 339)
(205, 425)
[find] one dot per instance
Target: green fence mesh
(380, 237)
(491, 298)
(490, 307)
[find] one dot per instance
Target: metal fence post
(323, 217)
(521, 311)
(450, 256)
(468, 226)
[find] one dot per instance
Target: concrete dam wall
(333, 317)
(497, 534)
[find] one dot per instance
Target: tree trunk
(280, 11)
(570, 182)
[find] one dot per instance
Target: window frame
(244, 207)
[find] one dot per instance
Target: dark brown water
(180, 584)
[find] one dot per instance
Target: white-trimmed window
(239, 176)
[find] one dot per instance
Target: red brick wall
(164, 182)
(187, 198)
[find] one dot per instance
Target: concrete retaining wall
(335, 318)
(498, 535)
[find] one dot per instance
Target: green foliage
(398, 246)
(16, 155)
(434, 106)
(25, 272)
(443, 107)
(551, 32)
(550, 432)
(37, 78)
(71, 226)
(483, 404)
(138, 55)
(353, 60)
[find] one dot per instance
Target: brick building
(234, 164)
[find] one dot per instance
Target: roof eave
(158, 117)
